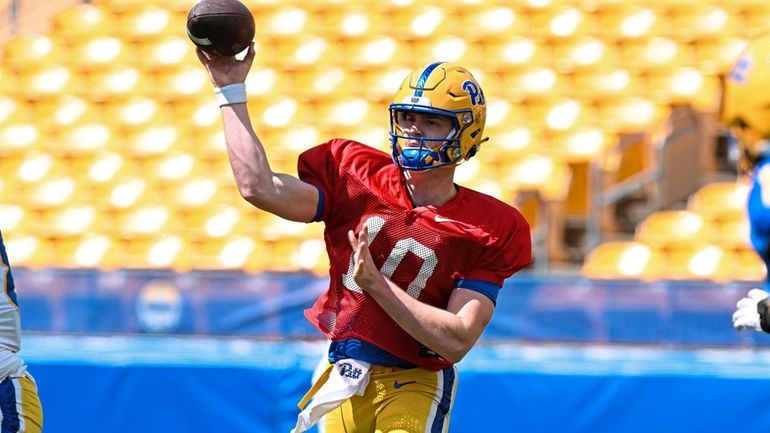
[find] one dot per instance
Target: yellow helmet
(444, 89)
(746, 103)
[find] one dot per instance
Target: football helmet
(443, 89)
(746, 104)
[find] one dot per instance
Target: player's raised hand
(365, 272)
(750, 310)
(226, 70)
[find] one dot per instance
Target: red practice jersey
(426, 250)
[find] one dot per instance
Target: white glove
(746, 315)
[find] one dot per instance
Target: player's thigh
(20, 405)
(422, 403)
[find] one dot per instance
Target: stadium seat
(99, 52)
(66, 110)
(623, 260)
(148, 21)
(25, 52)
(83, 21)
(699, 261)
(629, 22)
(164, 52)
(718, 200)
(667, 229)
(117, 81)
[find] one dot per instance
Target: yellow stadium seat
(492, 20)
(135, 111)
(171, 167)
(145, 221)
(117, 81)
(511, 52)
(585, 53)
(49, 80)
(717, 200)
(561, 21)
(152, 140)
(302, 51)
(232, 252)
(667, 229)
(149, 21)
(185, 81)
(630, 115)
(66, 110)
(80, 138)
(15, 218)
(561, 113)
(167, 51)
(607, 84)
(72, 221)
(161, 251)
(25, 52)
(197, 114)
(623, 260)
(13, 109)
(533, 83)
(99, 169)
(375, 52)
(421, 20)
(28, 249)
(655, 52)
(537, 172)
(53, 192)
(732, 231)
(99, 52)
(699, 261)
(125, 192)
(123, 6)
(348, 21)
(582, 144)
(19, 137)
(83, 21)
(194, 193)
(685, 86)
(717, 56)
(692, 23)
(283, 20)
(445, 47)
(91, 251)
(633, 22)
(749, 266)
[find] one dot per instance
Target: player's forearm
(248, 158)
(441, 331)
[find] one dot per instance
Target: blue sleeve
(490, 290)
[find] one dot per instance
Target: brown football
(222, 27)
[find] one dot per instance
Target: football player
(20, 408)
(416, 261)
(746, 112)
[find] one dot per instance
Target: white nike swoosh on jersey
(199, 41)
(440, 219)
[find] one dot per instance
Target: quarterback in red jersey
(416, 261)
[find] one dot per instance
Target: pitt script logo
(347, 370)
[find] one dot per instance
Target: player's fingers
(201, 56)
(352, 240)
(250, 54)
(758, 294)
(746, 303)
(363, 236)
(740, 313)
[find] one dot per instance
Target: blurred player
(416, 260)
(747, 113)
(20, 409)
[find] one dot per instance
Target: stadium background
(153, 298)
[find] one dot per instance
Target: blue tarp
(530, 307)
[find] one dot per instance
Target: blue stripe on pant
(448, 375)
(10, 423)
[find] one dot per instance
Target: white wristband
(230, 94)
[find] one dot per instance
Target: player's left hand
(747, 313)
(365, 272)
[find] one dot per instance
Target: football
(222, 27)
